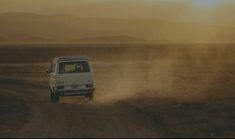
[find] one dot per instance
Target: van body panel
(67, 83)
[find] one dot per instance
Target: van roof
(69, 58)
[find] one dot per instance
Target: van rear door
(74, 75)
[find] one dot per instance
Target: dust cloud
(181, 73)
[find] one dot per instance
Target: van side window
(52, 67)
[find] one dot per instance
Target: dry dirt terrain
(141, 91)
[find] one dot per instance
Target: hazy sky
(190, 10)
(201, 19)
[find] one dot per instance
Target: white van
(71, 76)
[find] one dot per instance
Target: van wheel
(57, 98)
(52, 97)
(91, 96)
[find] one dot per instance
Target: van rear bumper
(75, 92)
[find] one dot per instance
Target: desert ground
(141, 91)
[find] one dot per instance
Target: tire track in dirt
(78, 118)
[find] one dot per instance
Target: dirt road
(76, 117)
(163, 96)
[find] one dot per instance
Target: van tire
(91, 96)
(57, 97)
(54, 97)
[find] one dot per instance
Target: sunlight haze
(161, 20)
(114, 8)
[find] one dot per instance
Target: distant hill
(27, 27)
(110, 39)
(22, 38)
(22, 27)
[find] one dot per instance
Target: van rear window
(73, 67)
